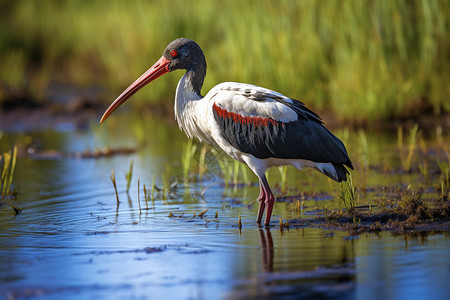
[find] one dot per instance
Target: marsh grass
(139, 197)
(406, 151)
(366, 60)
(189, 149)
(129, 175)
(8, 165)
(348, 197)
(113, 180)
(444, 167)
(240, 222)
(283, 178)
(145, 197)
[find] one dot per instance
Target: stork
(255, 126)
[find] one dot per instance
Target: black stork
(256, 126)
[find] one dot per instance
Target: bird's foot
(251, 203)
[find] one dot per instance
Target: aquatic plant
(224, 165)
(406, 155)
(423, 168)
(239, 222)
(202, 214)
(189, 149)
(283, 175)
(364, 151)
(139, 198)
(445, 175)
(202, 168)
(7, 171)
(347, 195)
(113, 180)
(153, 189)
(235, 172)
(129, 175)
(145, 197)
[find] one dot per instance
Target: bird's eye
(174, 53)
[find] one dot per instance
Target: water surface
(72, 239)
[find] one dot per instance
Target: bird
(254, 125)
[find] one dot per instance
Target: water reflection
(73, 240)
(267, 249)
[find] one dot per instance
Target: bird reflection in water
(267, 247)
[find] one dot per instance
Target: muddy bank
(410, 216)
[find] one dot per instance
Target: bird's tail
(337, 172)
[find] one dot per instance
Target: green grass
(347, 195)
(365, 60)
(113, 180)
(406, 152)
(129, 175)
(7, 167)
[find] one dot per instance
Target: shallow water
(72, 239)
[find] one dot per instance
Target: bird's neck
(188, 106)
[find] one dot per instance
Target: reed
(189, 150)
(129, 175)
(145, 197)
(366, 60)
(139, 199)
(7, 171)
(153, 189)
(239, 222)
(445, 175)
(348, 195)
(407, 151)
(283, 176)
(113, 180)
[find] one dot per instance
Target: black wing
(306, 138)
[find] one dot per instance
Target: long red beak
(160, 68)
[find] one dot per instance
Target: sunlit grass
(283, 178)
(8, 165)
(189, 149)
(406, 152)
(366, 60)
(348, 195)
(129, 175)
(113, 180)
(444, 167)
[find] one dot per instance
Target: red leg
(266, 201)
(269, 200)
(262, 203)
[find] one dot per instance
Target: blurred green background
(362, 60)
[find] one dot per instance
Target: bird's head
(184, 54)
(181, 53)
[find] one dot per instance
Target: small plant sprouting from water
(283, 175)
(200, 215)
(233, 172)
(139, 199)
(129, 175)
(240, 222)
(445, 175)
(226, 170)
(202, 162)
(7, 173)
(347, 195)
(364, 156)
(406, 155)
(364, 151)
(188, 153)
(113, 180)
